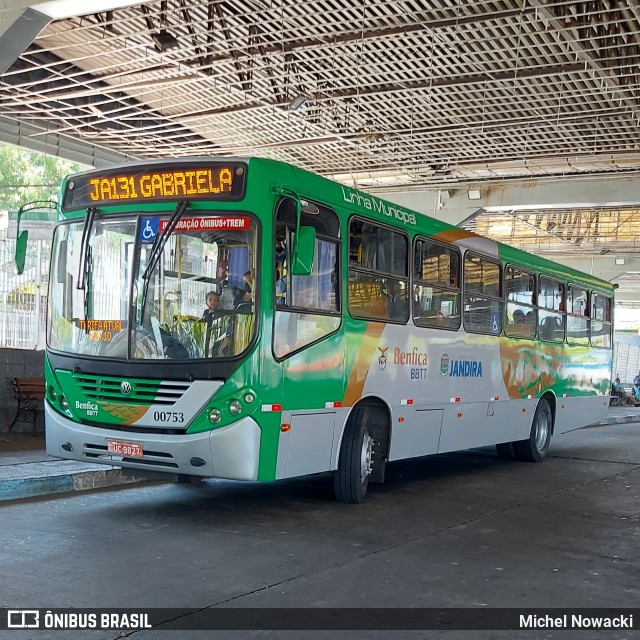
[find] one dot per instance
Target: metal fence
(23, 298)
(626, 361)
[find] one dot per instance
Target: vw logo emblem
(125, 387)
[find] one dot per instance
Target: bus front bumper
(231, 452)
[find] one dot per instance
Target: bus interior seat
(368, 299)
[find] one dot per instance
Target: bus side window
(520, 300)
(483, 295)
(551, 314)
(307, 307)
(436, 293)
(601, 321)
(378, 272)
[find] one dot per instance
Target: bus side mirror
(21, 251)
(22, 237)
(304, 250)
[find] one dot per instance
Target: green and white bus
(340, 331)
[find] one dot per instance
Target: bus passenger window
(378, 273)
(436, 294)
(601, 321)
(520, 292)
(307, 307)
(577, 315)
(483, 300)
(551, 316)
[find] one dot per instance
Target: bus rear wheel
(536, 446)
(355, 464)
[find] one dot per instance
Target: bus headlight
(235, 408)
(215, 415)
(64, 404)
(52, 393)
(249, 397)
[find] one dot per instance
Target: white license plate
(125, 449)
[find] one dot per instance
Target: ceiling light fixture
(297, 102)
(164, 41)
(619, 260)
(474, 194)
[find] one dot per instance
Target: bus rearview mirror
(21, 251)
(304, 251)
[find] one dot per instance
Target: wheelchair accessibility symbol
(148, 229)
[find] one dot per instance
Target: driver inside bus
(219, 329)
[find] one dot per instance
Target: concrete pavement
(461, 530)
(26, 471)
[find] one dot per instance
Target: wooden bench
(29, 394)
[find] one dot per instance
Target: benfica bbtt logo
(382, 360)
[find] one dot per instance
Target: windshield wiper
(86, 233)
(156, 251)
(83, 263)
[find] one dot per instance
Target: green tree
(29, 175)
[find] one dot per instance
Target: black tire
(536, 446)
(505, 451)
(355, 463)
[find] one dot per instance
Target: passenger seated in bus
(636, 384)
(520, 327)
(618, 390)
(281, 288)
(246, 290)
(396, 306)
(551, 329)
(219, 325)
(212, 302)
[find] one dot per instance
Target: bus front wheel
(536, 446)
(355, 464)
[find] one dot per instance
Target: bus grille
(143, 392)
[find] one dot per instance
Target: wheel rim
(366, 458)
(542, 431)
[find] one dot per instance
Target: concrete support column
(22, 20)
(19, 26)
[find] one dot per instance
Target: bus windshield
(197, 301)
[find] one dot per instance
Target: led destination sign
(153, 184)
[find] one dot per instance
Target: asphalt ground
(459, 530)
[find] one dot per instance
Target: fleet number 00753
(168, 416)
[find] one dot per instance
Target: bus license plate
(125, 449)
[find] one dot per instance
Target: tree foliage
(28, 175)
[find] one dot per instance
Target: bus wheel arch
(551, 399)
(536, 446)
(363, 451)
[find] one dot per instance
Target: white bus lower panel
(231, 452)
